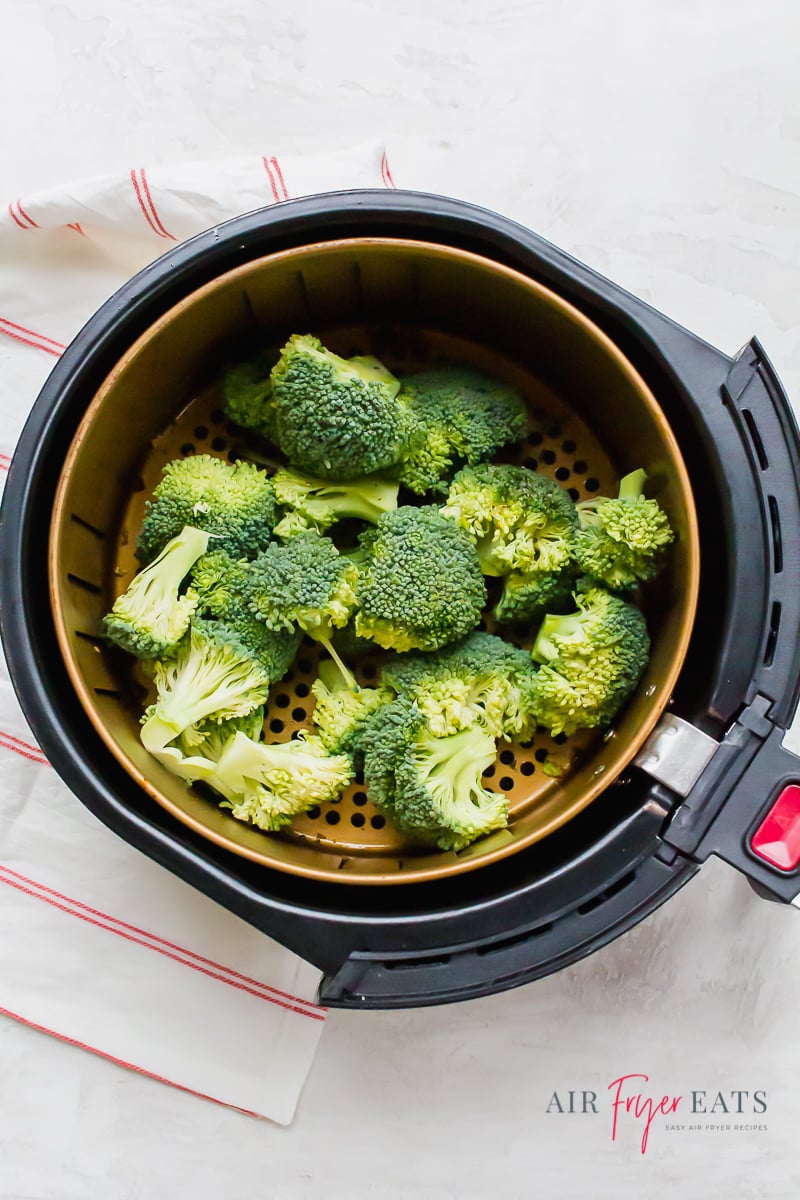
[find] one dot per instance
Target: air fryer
(713, 777)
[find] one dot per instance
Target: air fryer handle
(757, 828)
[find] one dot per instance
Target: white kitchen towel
(98, 945)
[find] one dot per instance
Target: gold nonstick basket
(413, 304)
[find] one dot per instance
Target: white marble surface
(658, 141)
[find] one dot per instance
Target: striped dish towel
(99, 946)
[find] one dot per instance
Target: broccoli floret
(519, 521)
(340, 714)
(463, 417)
(226, 589)
(337, 418)
(622, 540)
(481, 679)
(529, 598)
(217, 672)
(269, 785)
(247, 391)
(233, 502)
(305, 583)
(210, 737)
(430, 787)
(151, 617)
(592, 660)
(318, 503)
(420, 585)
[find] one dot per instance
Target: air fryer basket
(592, 418)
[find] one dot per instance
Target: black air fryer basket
(713, 778)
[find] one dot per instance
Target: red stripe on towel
(386, 174)
(143, 206)
(28, 752)
(83, 916)
(163, 941)
(30, 337)
(25, 216)
(15, 218)
(120, 1062)
(275, 195)
(279, 173)
(164, 233)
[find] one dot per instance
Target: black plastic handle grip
(746, 776)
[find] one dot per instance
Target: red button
(777, 839)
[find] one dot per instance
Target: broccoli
(420, 581)
(622, 540)
(269, 785)
(529, 598)
(247, 390)
(340, 714)
(194, 754)
(519, 521)
(592, 660)
(210, 737)
(305, 583)
(337, 418)
(233, 503)
(481, 679)
(151, 617)
(429, 786)
(463, 417)
(318, 503)
(226, 590)
(220, 671)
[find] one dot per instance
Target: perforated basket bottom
(558, 444)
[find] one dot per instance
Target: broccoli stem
(631, 486)
(347, 675)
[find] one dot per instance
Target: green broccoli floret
(269, 785)
(247, 392)
(592, 661)
(318, 503)
(529, 598)
(306, 583)
(463, 417)
(151, 617)
(233, 502)
(622, 540)
(519, 521)
(420, 585)
(210, 737)
(226, 590)
(337, 418)
(340, 714)
(218, 672)
(482, 680)
(430, 787)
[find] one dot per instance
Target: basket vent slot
(755, 438)
(402, 964)
(85, 584)
(772, 636)
(777, 538)
(514, 939)
(613, 890)
(98, 533)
